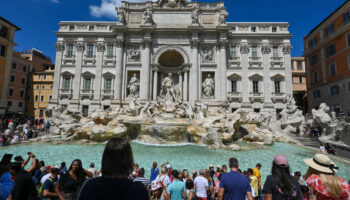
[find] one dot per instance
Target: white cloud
(54, 1)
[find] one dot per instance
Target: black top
(270, 187)
(113, 189)
(24, 187)
(68, 184)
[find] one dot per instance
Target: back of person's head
(224, 168)
(117, 159)
(15, 167)
(55, 171)
(42, 163)
(92, 165)
(154, 165)
(163, 171)
(233, 163)
(63, 164)
(201, 172)
(245, 173)
(258, 165)
(175, 173)
(142, 172)
(250, 171)
(281, 174)
(297, 174)
(189, 184)
(207, 174)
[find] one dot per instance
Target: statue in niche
(121, 16)
(208, 87)
(133, 86)
(195, 16)
(147, 16)
(207, 55)
(134, 55)
(168, 89)
(223, 16)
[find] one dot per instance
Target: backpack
(41, 192)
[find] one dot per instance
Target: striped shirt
(143, 180)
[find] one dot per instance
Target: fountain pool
(188, 156)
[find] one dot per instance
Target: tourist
(176, 189)
(63, 168)
(329, 149)
(280, 184)
(253, 183)
(297, 175)
(46, 176)
(6, 182)
(190, 193)
(47, 189)
(157, 190)
(117, 165)
(234, 186)
(201, 186)
(154, 171)
(217, 181)
(24, 188)
(93, 170)
(187, 176)
(304, 132)
(212, 171)
(47, 126)
(194, 174)
(137, 169)
(163, 177)
(322, 179)
(323, 149)
(141, 178)
(256, 172)
(70, 183)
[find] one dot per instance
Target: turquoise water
(180, 157)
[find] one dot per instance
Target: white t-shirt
(201, 184)
(165, 178)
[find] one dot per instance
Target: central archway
(171, 58)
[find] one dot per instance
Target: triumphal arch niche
(172, 50)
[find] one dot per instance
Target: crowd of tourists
(120, 178)
(13, 130)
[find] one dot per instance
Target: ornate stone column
(98, 82)
(155, 83)
(145, 69)
(223, 70)
(185, 86)
(119, 70)
(77, 76)
(266, 52)
(194, 72)
(288, 69)
(246, 86)
(56, 84)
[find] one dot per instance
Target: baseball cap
(211, 165)
(280, 160)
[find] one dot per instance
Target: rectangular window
(277, 87)
(50, 97)
(331, 50)
(36, 97)
(38, 87)
(110, 49)
(314, 59)
(87, 83)
(2, 50)
(45, 77)
(233, 29)
(11, 92)
(233, 52)
(14, 66)
(24, 69)
(43, 87)
(346, 17)
(108, 84)
(91, 28)
(334, 90)
(317, 94)
(348, 39)
(3, 31)
(274, 29)
(42, 98)
(21, 93)
(23, 81)
(9, 103)
(66, 83)
(90, 49)
(330, 30)
(313, 42)
(254, 51)
(13, 78)
(275, 51)
(255, 86)
(20, 104)
(332, 69)
(70, 48)
(253, 29)
(300, 79)
(315, 76)
(299, 65)
(234, 86)
(71, 27)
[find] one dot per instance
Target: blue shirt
(175, 189)
(154, 174)
(6, 185)
(236, 186)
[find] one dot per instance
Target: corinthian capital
(146, 43)
(223, 44)
(287, 49)
(100, 46)
(195, 43)
(80, 46)
(59, 46)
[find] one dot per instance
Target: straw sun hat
(322, 163)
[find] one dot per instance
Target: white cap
(168, 166)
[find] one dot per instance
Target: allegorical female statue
(133, 86)
(168, 88)
(208, 87)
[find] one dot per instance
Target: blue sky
(39, 19)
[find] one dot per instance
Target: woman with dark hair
(117, 165)
(281, 185)
(70, 183)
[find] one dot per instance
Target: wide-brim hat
(322, 163)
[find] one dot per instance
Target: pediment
(108, 74)
(234, 76)
(67, 73)
(87, 73)
(277, 76)
(256, 76)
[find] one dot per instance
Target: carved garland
(266, 49)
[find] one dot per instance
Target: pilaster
(79, 47)
(119, 68)
(58, 64)
(194, 71)
(145, 68)
(100, 47)
(288, 69)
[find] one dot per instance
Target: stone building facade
(172, 49)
